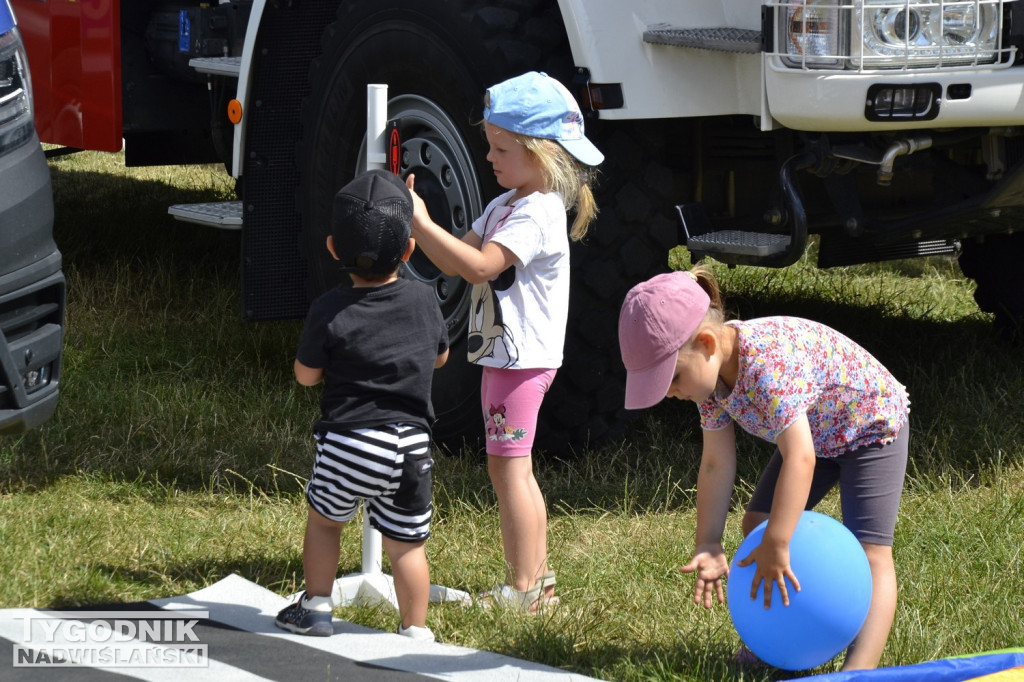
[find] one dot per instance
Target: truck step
(741, 40)
(838, 250)
(224, 214)
(739, 242)
(217, 66)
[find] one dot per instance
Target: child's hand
(419, 209)
(710, 565)
(772, 569)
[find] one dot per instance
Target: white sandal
(506, 596)
(530, 601)
(547, 585)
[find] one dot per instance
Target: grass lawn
(181, 443)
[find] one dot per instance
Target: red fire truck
(888, 128)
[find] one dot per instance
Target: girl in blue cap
(516, 256)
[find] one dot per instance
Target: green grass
(181, 443)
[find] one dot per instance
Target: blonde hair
(564, 174)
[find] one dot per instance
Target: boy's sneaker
(307, 617)
(417, 633)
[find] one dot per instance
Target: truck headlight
(15, 94)
(887, 34)
(917, 34)
(810, 32)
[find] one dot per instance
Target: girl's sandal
(506, 596)
(547, 585)
(532, 600)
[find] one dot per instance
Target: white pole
(372, 585)
(376, 122)
(376, 157)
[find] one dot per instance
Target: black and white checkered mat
(226, 633)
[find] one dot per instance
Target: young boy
(375, 345)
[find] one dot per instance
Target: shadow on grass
(163, 405)
(570, 643)
(963, 380)
(101, 220)
(109, 583)
(160, 368)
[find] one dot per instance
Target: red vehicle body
(76, 64)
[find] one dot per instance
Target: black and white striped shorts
(388, 466)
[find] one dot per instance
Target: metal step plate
(224, 214)
(217, 66)
(741, 40)
(738, 242)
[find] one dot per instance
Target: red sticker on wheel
(394, 151)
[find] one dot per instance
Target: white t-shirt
(518, 318)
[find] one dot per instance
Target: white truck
(890, 128)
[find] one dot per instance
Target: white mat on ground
(244, 605)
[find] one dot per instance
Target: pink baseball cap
(657, 318)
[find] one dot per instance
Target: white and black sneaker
(307, 616)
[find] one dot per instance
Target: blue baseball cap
(537, 105)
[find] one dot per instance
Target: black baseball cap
(371, 222)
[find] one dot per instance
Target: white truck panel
(660, 81)
(808, 100)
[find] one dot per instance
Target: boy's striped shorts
(388, 466)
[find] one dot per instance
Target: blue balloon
(824, 616)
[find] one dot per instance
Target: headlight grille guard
(847, 37)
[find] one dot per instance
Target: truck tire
(994, 264)
(628, 243)
(437, 62)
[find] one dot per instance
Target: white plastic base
(372, 586)
(367, 589)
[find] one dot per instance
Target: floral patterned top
(789, 367)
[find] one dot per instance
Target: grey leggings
(870, 485)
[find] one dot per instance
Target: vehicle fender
(660, 81)
(75, 56)
(245, 76)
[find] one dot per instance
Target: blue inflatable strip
(958, 669)
(6, 17)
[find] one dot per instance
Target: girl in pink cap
(516, 256)
(834, 412)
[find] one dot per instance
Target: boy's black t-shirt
(377, 347)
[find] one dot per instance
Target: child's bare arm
(441, 359)
(714, 493)
(308, 376)
(714, 483)
(796, 445)
(463, 257)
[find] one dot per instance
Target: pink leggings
(511, 399)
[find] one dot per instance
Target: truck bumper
(830, 101)
(31, 344)
(32, 292)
